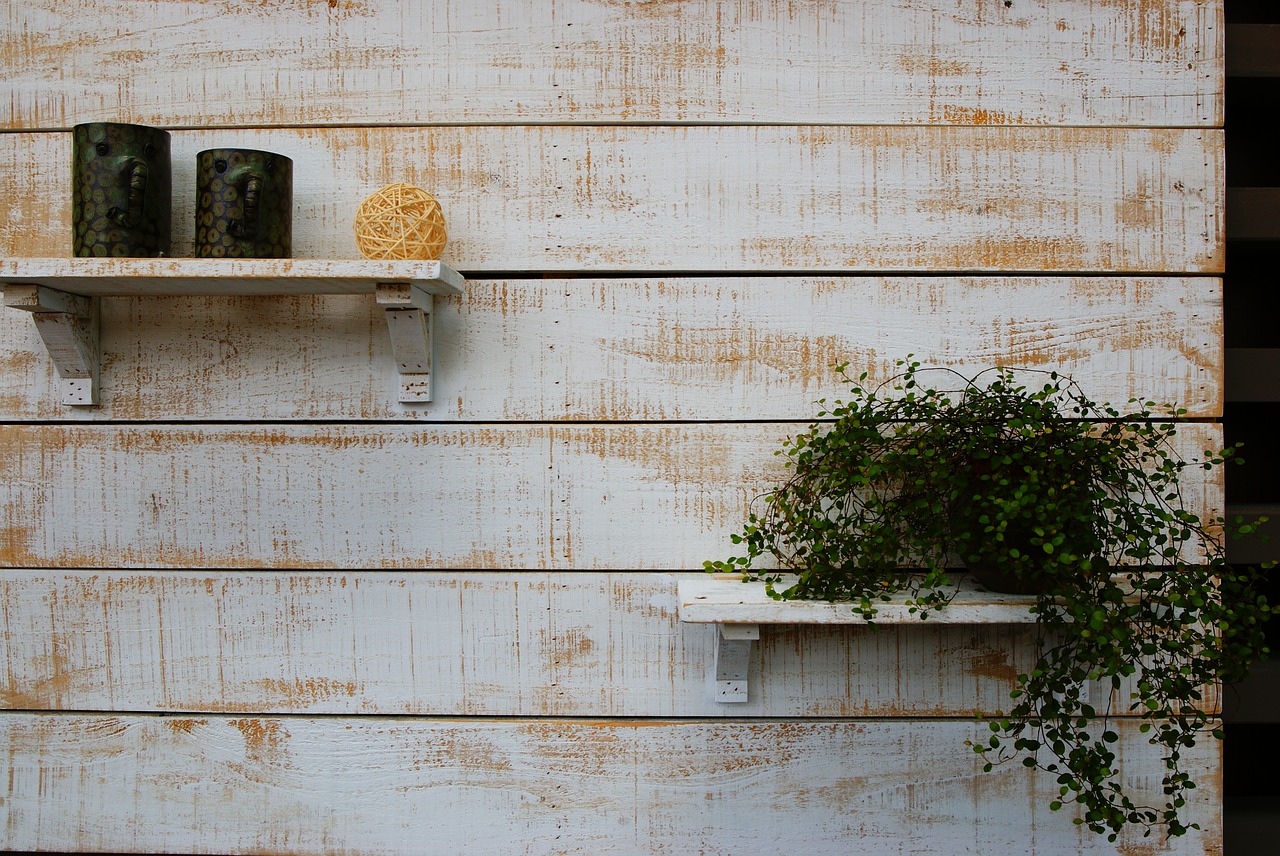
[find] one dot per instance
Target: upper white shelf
(112, 277)
(62, 296)
(726, 599)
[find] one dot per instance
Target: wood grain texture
(462, 644)
(502, 565)
(631, 349)
(380, 786)
(716, 198)
(591, 497)
(1070, 62)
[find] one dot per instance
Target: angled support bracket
(68, 324)
(410, 319)
(733, 660)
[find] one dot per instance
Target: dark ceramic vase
(988, 562)
(120, 190)
(244, 204)
(984, 572)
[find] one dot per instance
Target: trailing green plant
(1045, 491)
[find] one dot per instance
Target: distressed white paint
(570, 349)
(380, 786)
(97, 277)
(460, 643)
(1070, 62)
(397, 496)
(719, 198)
(573, 185)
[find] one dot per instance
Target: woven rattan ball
(400, 221)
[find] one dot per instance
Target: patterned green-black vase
(244, 204)
(120, 190)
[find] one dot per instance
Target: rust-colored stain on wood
(470, 750)
(302, 693)
(265, 740)
(992, 664)
(954, 114)
(657, 457)
(185, 725)
(729, 348)
(570, 648)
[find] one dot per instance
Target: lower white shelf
(738, 608)
(726, 599)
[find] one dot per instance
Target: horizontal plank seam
(625, 123)
(499, 423)
(531, 718)
(553, 274)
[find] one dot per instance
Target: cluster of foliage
(1046, 492)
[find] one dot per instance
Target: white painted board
(631, 349)
(571, 497)
(1069, 62)
(369, 785)
(718, 198)
(463, 643)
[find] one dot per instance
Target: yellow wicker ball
(400, 221)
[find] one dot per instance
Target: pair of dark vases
(121, 195)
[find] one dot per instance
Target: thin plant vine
(1021, 477)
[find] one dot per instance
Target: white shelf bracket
(410, 319)
(68, 324)
(733, 661)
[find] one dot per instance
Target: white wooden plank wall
(252, 604)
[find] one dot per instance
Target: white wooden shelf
(738, 608)
(62, 295)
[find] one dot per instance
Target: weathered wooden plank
(399, 496)
(459, 644)
(260, 784)
(672, 348)
(716, 198)
(1073, 62)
